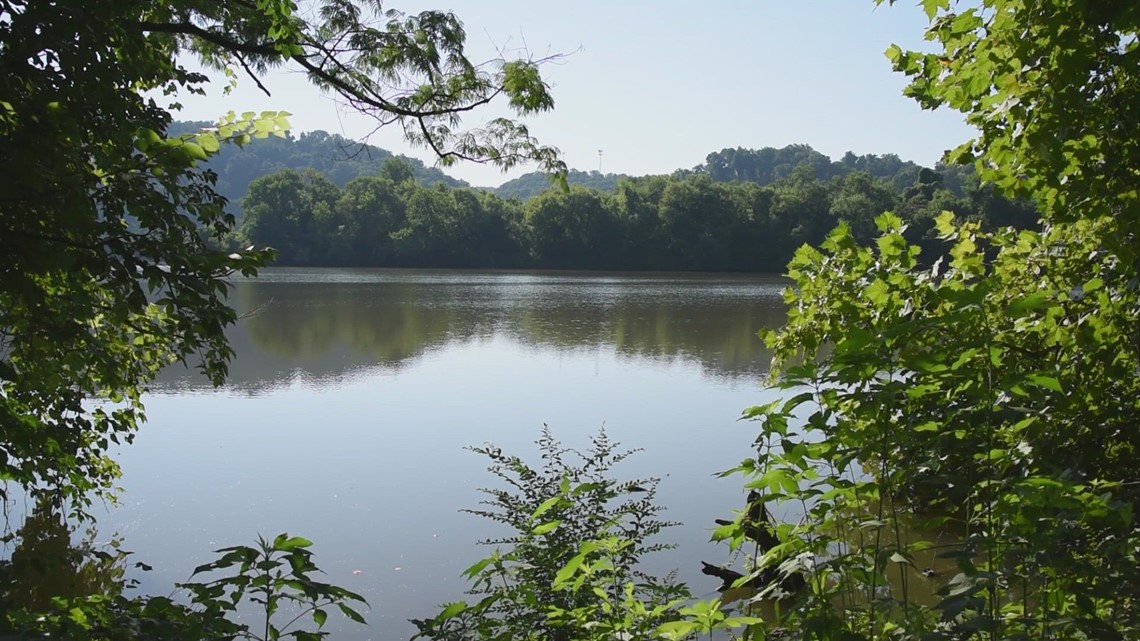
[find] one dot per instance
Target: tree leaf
(545, 528)
(285, 543)
(1048, 382)
(545, 506)
(352, 614)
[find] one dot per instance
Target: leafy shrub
(275, 577)
(569, 567)
(995, 398)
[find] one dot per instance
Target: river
(354, 393)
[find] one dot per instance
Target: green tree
(697, 218)
(485, 229)
(858, 201)
(292, 213)
(653, 222)
(763, 250)
(397, 170)
(572, 229)
(107, 269)
(338, 158)
(530, 185)
(431, 235)
(1054, 89)
(800, 210)
(373, 209)
(637, 201)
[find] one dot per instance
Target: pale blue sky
(659, 85)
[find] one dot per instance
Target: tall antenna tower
(599, 161)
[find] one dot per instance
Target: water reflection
(324, 326)
(45, 560)
(354, 391)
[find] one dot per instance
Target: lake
(354, 393)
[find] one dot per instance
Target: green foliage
(989, 399)
(763, 167)
(572, 229)
(1053, 88)
(996, 399)
(274, 576)
(117, 618)
(286, 210)
(402, 69)
(568, 570)
(106, 272)
(532, 184)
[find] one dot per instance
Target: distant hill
(768, 165)
(529, 185)
(337, 157)
(762, 166)
(341, 159)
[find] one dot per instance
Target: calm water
(354, 393)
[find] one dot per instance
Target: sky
(658, 85)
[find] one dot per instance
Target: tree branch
(249, 72)
(346, 89)
(213, 37)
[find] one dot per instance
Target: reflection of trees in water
(382, 324)
(721, 337)
(329, 330)
(46, 562)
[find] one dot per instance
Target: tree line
(342, 159)
(764, 166)
(688, 221)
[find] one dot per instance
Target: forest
(740, 211)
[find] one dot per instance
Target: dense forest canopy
(534, 183)
(706, 220)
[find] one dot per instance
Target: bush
(569, 567)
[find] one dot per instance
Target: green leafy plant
(569, 569)
(276, 576)
(273, 576)
(993, 400)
